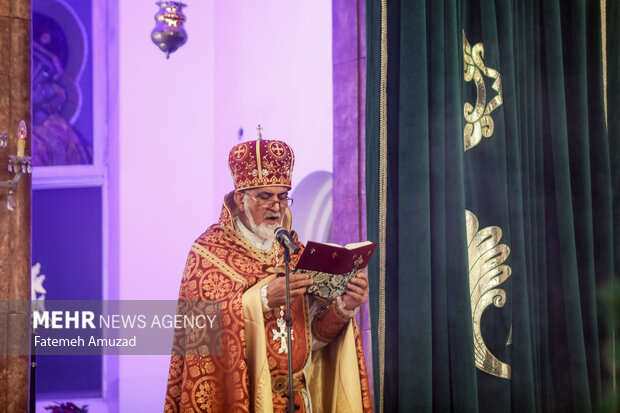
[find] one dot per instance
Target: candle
(22, 131)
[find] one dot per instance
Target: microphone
(285, 239)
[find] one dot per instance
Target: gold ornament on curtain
(486, 273)
(479, 122)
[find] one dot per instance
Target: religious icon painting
(66, 94)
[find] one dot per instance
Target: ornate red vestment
(223, 266)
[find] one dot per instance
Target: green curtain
(494, 309)
(612, 59)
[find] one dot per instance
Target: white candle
(22, 131)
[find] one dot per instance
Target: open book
(331, 266)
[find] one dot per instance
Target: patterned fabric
(328, 324)
(278, 361)
(223, 266)
(259, 163)
(361, 365)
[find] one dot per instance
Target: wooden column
(14, 225)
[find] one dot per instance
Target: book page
(357, 245)
(351, 246)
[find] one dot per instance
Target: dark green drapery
(542, 183)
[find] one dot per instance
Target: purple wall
(244, 63)
(349, 84)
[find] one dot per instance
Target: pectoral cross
(281, 333)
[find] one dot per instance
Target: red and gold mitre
(258, 163)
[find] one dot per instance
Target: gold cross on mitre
(260, 132)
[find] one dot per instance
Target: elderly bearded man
(237, 262)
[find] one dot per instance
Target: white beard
(264, 231)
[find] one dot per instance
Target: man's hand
(276, 289)
(356, 292)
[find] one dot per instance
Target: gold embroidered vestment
(250, 372)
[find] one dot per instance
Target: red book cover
(335, 259)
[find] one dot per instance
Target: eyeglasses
(267, 202)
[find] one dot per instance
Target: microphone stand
(290, 403)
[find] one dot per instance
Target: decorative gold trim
(258, 163)
(478, 120)
(199, 249)
(604, 57)
(382, 199)
(486, 272)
